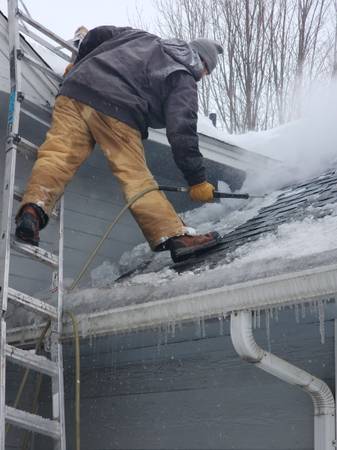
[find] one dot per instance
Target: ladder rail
(7, 202)
(44, 43)
(56, 345)
(46, 32)
(53, 367)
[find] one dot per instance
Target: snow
(306, 146)
(272, 254)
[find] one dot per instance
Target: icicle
(321, 316)
(267, 314)
(303, 311)
(258, 312)
(173, 328)
(198, 327)
(276, 314)
(297, 314)
(203, 327)
(271, 312)
(166, 333)
(311, 307)
(254, 319)
(221, 325)
(159, 339)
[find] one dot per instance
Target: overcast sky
(64, 16)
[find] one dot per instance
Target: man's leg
(67, 145)
(123, 147)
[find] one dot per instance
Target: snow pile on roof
(297, 245)
(272, 254)
(206, 127)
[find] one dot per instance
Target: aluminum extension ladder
(15, 146)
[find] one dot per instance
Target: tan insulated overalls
(74, 130)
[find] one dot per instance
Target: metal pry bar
(216, 194)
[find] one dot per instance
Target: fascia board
(298, 287)
(222, 152)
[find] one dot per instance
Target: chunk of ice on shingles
(104, 274)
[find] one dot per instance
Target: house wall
(192, 392)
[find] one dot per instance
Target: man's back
(122, 72)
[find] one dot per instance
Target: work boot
(29, 221)
(184, 247)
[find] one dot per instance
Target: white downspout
(323, 400)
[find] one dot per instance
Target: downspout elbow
(243, 338)
(323, 400)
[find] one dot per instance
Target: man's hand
(202, 192)
(68, 69)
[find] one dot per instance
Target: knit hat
(208, 51)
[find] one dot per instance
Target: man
(123, 81)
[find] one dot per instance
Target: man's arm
(96, 37)
(181, 113)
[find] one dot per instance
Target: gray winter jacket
(143, 81)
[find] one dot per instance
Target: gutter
(297, 287)
(321, 395)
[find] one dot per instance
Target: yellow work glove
(68, 69)
(202, 192)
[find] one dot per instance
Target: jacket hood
(184, 54)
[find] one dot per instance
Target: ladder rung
(32, 422)
(47, 32)
(30, 359)
(32, 303)
(35, 117)
(38, 253)
(44, 43)
(27, 148)
(19, 195)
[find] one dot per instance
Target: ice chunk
(321, 316)
(105, 274)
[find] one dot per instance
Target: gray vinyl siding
(193, 392)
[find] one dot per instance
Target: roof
(280, 250)
(223, 150)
